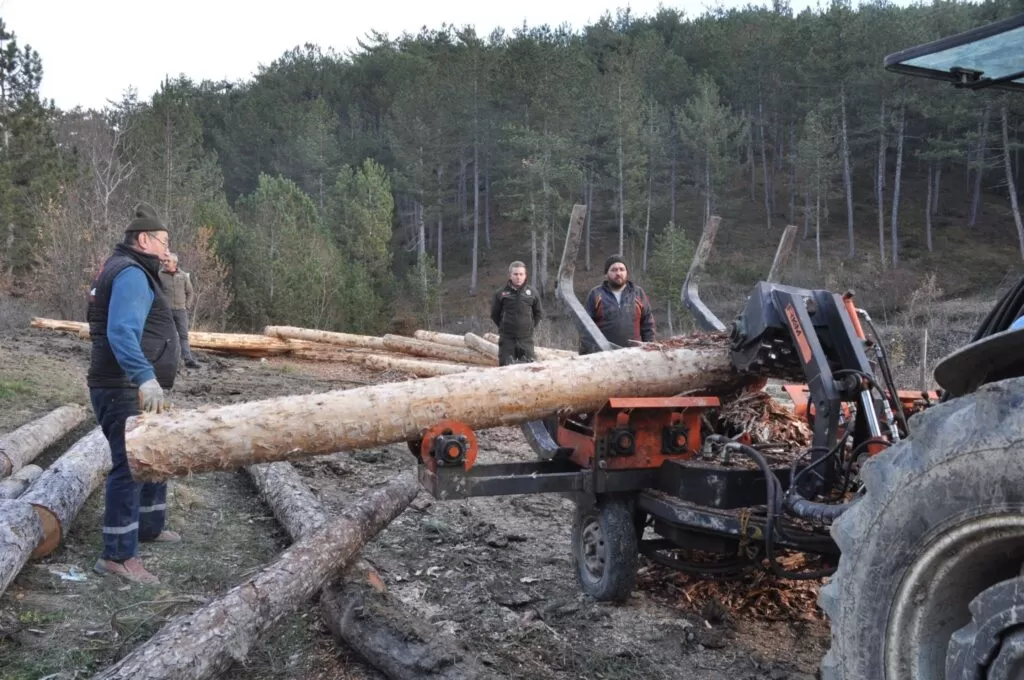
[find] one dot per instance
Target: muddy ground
(494, 571)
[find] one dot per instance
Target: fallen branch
(206, 642)
(21, 447)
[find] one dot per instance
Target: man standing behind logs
(177, 286)
(134, 359)
(516, 311)
(619, 307)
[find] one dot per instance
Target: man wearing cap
(516, 311)
(135, 356)
(177, 286)
(619, 307)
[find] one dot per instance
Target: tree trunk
(851, 250)
(295, 427)
(421, 231)
(980, 170)
(440, 338)
(647, 223)
(476, 212)
(817, 223)
(326, 337)
(928, 207)
(20, 532)
(622, 185)
(206, 642)
(880, 185)
(362, 614)
(764, 167)
(674, 142)
(750, 160)
(894, 227)
(431, 350)
(478, 344)
(1010, 186)
(293, 504)
(487, 207)
(938, 188)
(16, 484)
(590, 211)
(21, 447)
(440, 244)
(61, 491)
(391, 362)
(792, 173)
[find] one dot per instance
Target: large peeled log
(326, 337)
(294, 427)
(433, 350)
(22, 446)
(206, 642)
(20, 532)
(440, 338)
(62, 489)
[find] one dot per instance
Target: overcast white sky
(94, 50)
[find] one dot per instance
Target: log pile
(21, 447)
(427, 354)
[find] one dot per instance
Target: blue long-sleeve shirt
(130, 301)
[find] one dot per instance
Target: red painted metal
(450, 427)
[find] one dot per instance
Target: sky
(93, 51)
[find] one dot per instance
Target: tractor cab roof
(990, 56)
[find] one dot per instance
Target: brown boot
(130, 570)
(166, 536)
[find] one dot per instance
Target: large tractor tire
(933, 551)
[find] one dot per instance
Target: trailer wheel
(931, 550)
(605, 552)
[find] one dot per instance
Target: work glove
(151, 396)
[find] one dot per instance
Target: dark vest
(159, 336)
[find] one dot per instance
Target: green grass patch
(11, 388)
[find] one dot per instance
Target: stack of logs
(426, 354)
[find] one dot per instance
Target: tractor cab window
(990, 56)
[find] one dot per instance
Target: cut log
(20, 532)
(543, 353)
(326, 337)
(478, 344)
(432, 350)
(15, 485)
(290, 499)
(62, 489)
(58, 324)
(440, 338)
(361, 613)
(207, 641)
(294, 427)
(21, 447)
(404, 363)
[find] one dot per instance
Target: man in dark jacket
(516, 311)
(619, 307)
(177, 286)
(134, 359)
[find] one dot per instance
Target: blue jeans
(133, 511)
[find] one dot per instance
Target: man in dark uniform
(619, 307)
(516, 311)
(135, 356)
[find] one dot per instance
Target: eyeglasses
(165, 242)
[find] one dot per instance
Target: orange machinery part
(646, 417)
(448, 427)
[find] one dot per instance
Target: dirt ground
(494, 571)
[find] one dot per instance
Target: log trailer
(918, 520)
